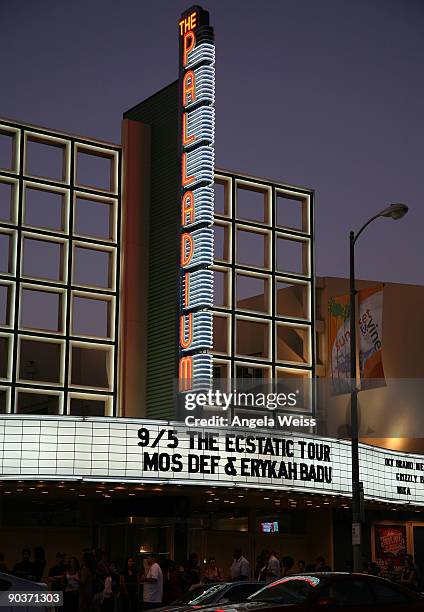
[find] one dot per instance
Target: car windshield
(289, 590)
(201, 594)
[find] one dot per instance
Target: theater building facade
(133, 273)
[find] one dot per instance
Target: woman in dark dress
(129, 586)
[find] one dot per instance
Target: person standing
(212, 572)
(24, 568)
(152, 584)
(72, 580)
(273, 570)
(194, 569)
(409, 574)
(321, 565)
(174, 582)
(56, 575)
(39, 563)
(107, 600)
(288, 564)
(261, 566)
(87, 575)
(390, 572)
(240, 568)
(129, 585)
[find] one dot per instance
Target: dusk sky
(327, 94)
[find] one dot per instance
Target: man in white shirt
(240, 568)
(273, 568)
(152, 584)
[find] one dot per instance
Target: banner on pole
(369, 340)
(370, 345)
(339, 343)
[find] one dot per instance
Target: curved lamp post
(394, 211)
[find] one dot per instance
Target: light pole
(394, 211)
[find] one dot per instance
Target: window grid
(66, 287)
(271, 272)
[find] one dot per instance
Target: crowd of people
(407, 573)
(94, 584)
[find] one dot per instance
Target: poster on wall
(390, 543)
(370, 345)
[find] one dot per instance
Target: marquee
(133, 450)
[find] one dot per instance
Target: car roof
(242, 582)
(16, 580)
(331, 575)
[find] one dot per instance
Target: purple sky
(328, 94)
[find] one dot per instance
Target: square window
(291, 212)
(221, 288)
(7, 150)
(252, 249)
(293, 344)
(37, 403)
(42, 259)
(92, 267)
(95, 169)
(291, 300)
(91, 317)
(93, 218)
(45, 158)
(6, 254)
(222, 198)
(291, 255)
(222, 249)
(298, 383)
(5, 345)
(252, 338)
(40, 361)
(220, 334)
(41, 310)
(5, 304)
(4, 401)
(87, 407)
(7, 194)
(91, 367)
(251, 373)
(219, 372)
(252, 379)
(252, 204)
(252, 292)
(44, 208)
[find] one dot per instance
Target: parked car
(9, 583)
(220, 593)
(332, 590)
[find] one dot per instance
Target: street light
(394, 211)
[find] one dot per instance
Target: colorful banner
(339, 343)
(370, 344)
(390, 543)
(369, 340)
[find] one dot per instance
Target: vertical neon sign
(197, 131)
